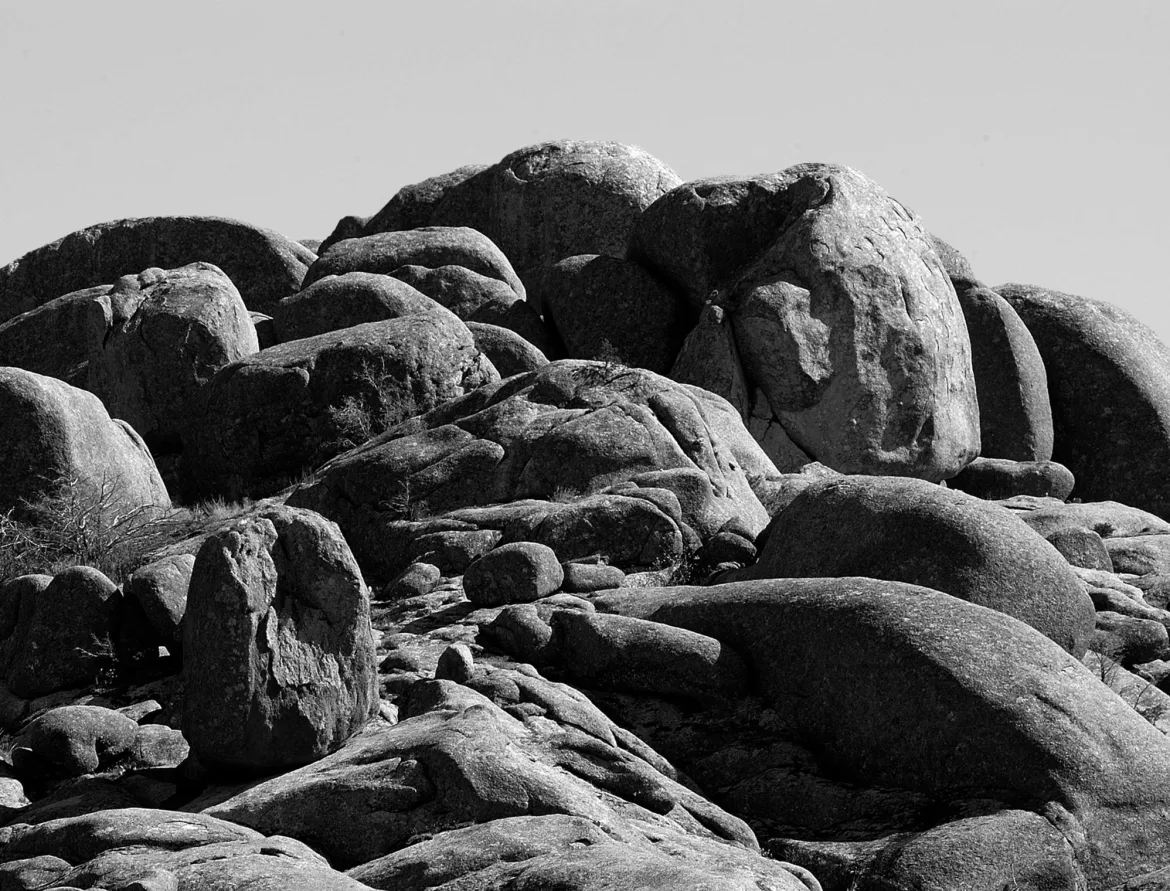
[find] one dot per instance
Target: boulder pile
(564, 524)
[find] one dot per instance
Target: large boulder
(413, 206)
(264, 265)
(432, 247)
(901, 687)
(541, 203)
(612, 309)
(563, 199)
(342, 301)
(68, 636)
(908, 530)
(61, 439)
(278, 654)
(1109, 384)
(1015, 417)
(851, 328)
(157, 338)
(54, 339)
(278, 414)
(18, 599)
(479, 298)
(570, 432)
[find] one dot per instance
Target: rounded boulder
(157, 338)
(264, 265)
(59, 438)
(520, 572)
(1109, 384)
(906, 530)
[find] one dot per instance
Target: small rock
(1129, 640)
(454, 551)
(161, 590)
(416, 580)
(519, 630)
(728, 547)
(1081, 547)
(72, 741)
(994, 478)
(581, 578)
(455, 664)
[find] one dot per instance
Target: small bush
(85, 524)
(611, 368)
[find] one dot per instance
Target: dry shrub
(86, 524)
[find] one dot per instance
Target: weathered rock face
(612, 309)
(280, 413)
(53, 339)
(568, 430)
(432, 247)
(1109, 383)
(850, 326)
(156, 340)
(1015, 416)
(910, 531)
(278, 654)
(905, 688)
(58, 437)
(264, 265)
(342, 301)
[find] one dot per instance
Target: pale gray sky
(1031, 135)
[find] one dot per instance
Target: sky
(1033, 136)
